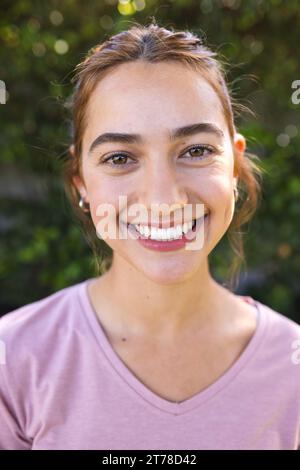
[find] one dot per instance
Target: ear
(77, 181)
(79, 185)
(239, 149)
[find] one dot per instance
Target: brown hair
(152, 43)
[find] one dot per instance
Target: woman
(153, 353)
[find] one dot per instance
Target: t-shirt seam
(11, 403)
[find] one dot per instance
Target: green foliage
(43, 248)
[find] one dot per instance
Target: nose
(162, 188)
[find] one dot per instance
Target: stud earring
(84, 205)
(236, 193)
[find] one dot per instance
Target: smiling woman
(153, 353)
(144, 82)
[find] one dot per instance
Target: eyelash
(123, 154)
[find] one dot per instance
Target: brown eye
(197, 152)
(119, 159)
(116, 159)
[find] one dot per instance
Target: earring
(84, 205)
(236, 193)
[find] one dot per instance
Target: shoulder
(279, 346)
(279, 325)
(33, 325)
(272, 323)
(36, 348)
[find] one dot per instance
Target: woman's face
(152, 100)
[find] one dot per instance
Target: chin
(171, 272)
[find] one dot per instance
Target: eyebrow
(201, 127)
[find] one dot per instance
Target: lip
(165, 245)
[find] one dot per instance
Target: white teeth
(185, 228)
(171, 233)
(146, 231)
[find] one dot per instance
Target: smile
(165, 234)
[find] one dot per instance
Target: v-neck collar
(129, 379)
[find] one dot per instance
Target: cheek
(104, 198)
(222, 194)
(220, 199)
(218, 190)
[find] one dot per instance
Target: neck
(164, 310)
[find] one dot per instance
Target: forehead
(150, 98)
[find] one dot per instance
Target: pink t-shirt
(62, 386)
